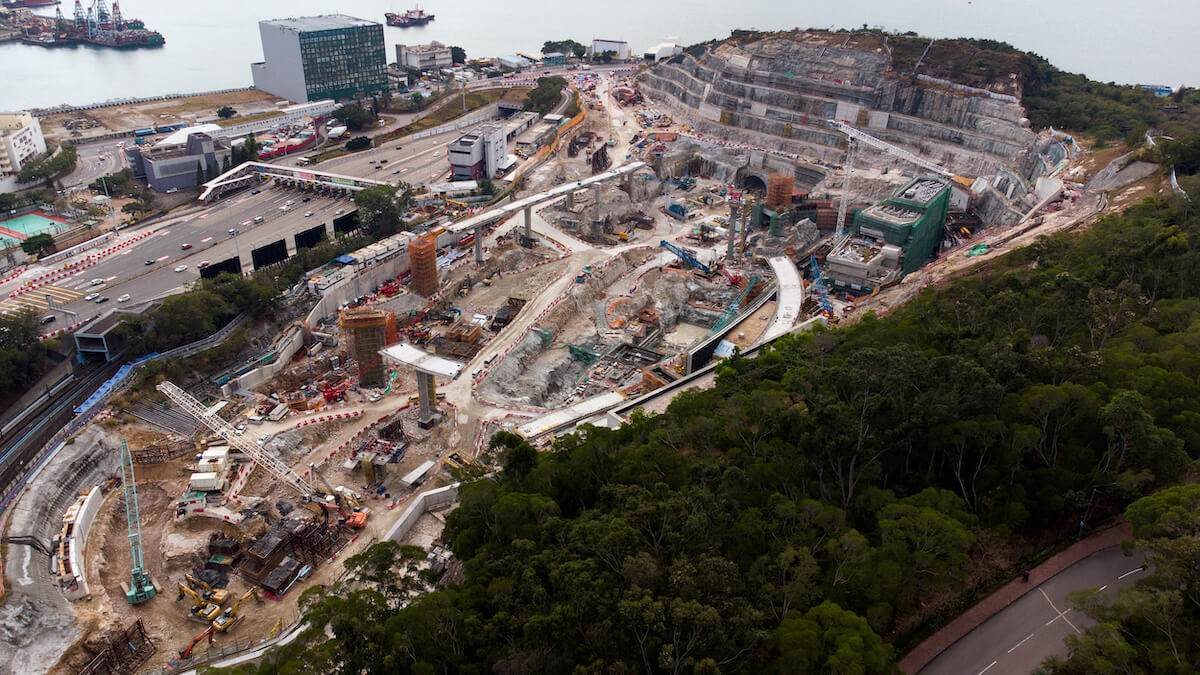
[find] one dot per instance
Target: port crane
(140, 587)
(279, 470)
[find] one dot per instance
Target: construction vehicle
(389, 288)
(186, 652)
(230, 617)
(333, 393)
(210, 594)
(348, 507)
(685, 256)
(140, 587)
(202, 610)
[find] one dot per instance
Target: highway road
(1034, 627)
(95, 160)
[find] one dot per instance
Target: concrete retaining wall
(424, 502)
(288, 347)
(83, 521)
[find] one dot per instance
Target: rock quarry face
(788, 86)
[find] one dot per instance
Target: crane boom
(856, 135)
(685, 256)
(282, 472)
(841, 221)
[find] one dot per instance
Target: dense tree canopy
(824, 491)
(381, 207)
(354, 116)
(546, 95)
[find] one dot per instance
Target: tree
(354, 116)
(358, 143)
(487, 187)
(380, 208)
(413, 75)
(135, 207)
(458, 54)
(546, 95)
(606, 56)
(416, 98)
(37, 243)
(225, 112)
(829, 639)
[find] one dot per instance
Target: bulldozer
(202, 610)
(230, 617)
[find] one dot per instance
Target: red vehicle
(467, 240)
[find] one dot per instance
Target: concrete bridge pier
(427, 400)
(479, 244)
(528, 236)
(733, 219)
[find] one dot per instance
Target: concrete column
(427, 399)
(479, 244)
(733, 219)
(570, 200)
(596, 190)
(529, 224)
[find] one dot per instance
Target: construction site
(694, 209)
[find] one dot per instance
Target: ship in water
(413, 17)
(96, 25)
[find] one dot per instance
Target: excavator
(202, 610)
(217, 595)
(230, 617)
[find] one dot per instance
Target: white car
(123, 298)
(339, 212)
(181, 268)
(97, 282)
(307, 214)
(91, 296)
(374, 397)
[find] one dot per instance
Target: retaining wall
(91, 506)
(423, 502)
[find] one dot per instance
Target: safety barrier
(74, 268)
(67, 329)
(328, 418)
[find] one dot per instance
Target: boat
(14, 4)
(413, 17)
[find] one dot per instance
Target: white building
(432, 56)
(664, 50)
(479, 154)
(20, 141)
(619, 47)
(512, 61)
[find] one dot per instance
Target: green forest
(832, 499)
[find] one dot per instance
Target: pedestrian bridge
(252, 173)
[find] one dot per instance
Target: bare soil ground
(186, 109)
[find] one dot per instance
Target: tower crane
(849, 169)
(140, 587)
(822, 294)
(865, 138)
(279, 470)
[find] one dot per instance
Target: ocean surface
(210, 44)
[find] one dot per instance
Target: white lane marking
(205, 240)
(202, 216)
(988, 668)
(1062, 614)
(164, 233)
(1104, 587)
(1132, 571)
(1020, 643)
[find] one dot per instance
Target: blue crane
(141, 587)
(685, 256)
(819, 284)
(731, 311)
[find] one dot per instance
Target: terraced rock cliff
(785, 87)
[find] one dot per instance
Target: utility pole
(111, 208)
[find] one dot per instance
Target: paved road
(1021, 636)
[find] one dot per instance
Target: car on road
(97, 282)
(149, 261)
(123, 298)
(306, 199)
(202, 264)
(290, 202)
(101, 300)
(370, 399)
(339, 212)
(233, 230)
(185, 246)
(254, 192)
(90, 297)
(307, 214)
(49, 318)
(181, 268)
(396, 172)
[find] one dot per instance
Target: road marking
(161, 258)
(1020, 643)
(1060, 614)
(202, 216)
(205, 240)
(1104, 587)
(1132, 571)
(988, 668)
(164, 233)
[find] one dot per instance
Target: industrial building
(479, 154)
(310, 58)
(432, 56)
(619, 47)
(173, 167)
(892, 238)
(20, 141)
(512, 61)
(554, 59)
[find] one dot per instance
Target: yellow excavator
(230, 617)
(202, 610)
(217, 595)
